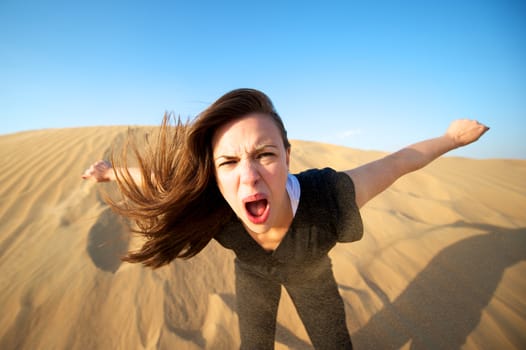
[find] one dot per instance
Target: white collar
(294, 191)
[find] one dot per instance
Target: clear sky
(365, 74)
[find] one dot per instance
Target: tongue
(257, 208)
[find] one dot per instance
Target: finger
(483, 128)
(89, 172)
(481, 124)
(101, 165)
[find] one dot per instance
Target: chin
(255, 228)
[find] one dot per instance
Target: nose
(249, 174)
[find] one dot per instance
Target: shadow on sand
(444, 303)
(108, 241)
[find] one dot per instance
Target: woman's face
(251, 168)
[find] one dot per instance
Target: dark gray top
(327, 213)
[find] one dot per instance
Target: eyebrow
(257, 149)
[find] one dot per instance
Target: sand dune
(442, 264)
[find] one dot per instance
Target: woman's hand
(100, 171)
(464, 131)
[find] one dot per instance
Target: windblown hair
(178, 207)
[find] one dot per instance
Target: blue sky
(365, 74)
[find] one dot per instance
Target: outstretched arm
(102, 171)
(373, 178)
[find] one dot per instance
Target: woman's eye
(226, 163)
(265, 154)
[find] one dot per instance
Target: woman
(225, 176)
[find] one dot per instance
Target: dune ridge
(441, 265)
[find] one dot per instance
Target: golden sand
(441, 265)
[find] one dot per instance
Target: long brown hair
(178, 207)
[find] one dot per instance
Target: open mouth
(257, 210)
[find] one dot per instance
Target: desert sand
(442, 264)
